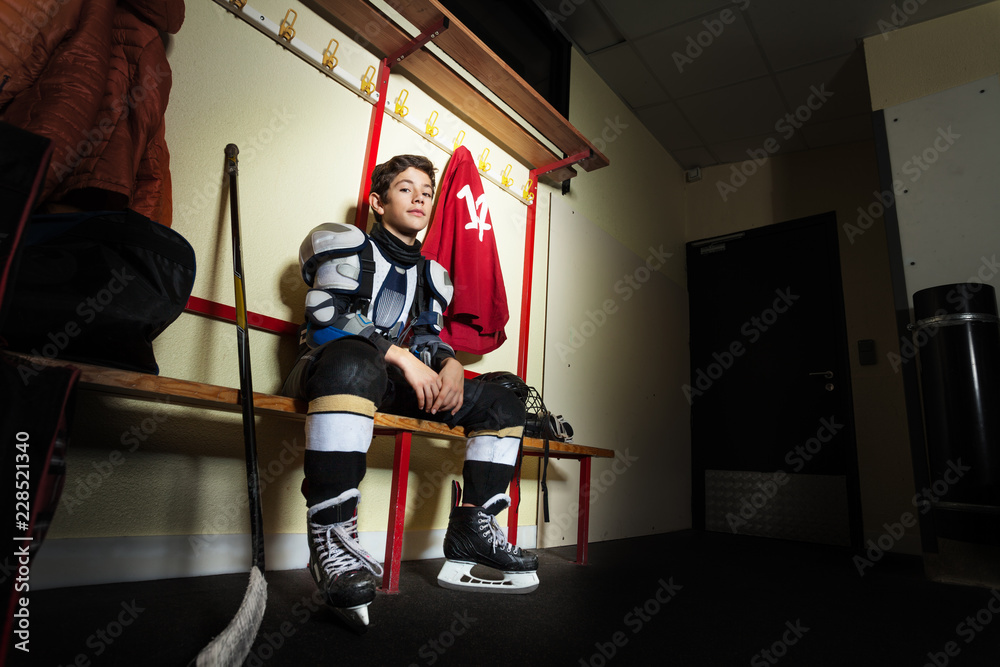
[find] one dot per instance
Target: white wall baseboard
(103, 560)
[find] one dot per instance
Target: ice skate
(474, 538)
(342, 570)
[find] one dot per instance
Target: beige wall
(616, 356)
(927, 57)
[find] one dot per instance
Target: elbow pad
(440, 286)
(431, 350)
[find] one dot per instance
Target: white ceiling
(714, 79)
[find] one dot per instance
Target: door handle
(827, 374)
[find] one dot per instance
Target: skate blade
(457, 576)
(356, 618)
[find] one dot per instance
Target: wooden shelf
(358, 17)
(143, 386)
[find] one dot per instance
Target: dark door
(773, 448)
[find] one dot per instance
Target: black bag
(98, 288)
(24, 157)
(34, 429)
(539, 423)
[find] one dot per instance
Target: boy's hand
(422, 378)
(452, 392)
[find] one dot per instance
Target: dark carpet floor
(687, 598)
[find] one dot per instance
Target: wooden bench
(144, 386)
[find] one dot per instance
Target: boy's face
(406, 208)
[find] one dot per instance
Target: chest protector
(355, 290)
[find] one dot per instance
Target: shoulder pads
(440, 284)
(329, 241)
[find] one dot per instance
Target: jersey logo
(477, 211)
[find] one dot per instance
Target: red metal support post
(414, 45)
(529, 262)
(529, 256)
(378, 113)
(397, 513)
(515, 505)
(522, 342)
(583, 520)
(371, 150)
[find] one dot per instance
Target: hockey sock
(329, 474)
(338, 433)
(489, 463)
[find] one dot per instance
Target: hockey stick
(233, 644)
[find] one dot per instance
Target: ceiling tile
(840, 131)
(693, 157)
(764, 64)
(700, 55)
(629, 75)
(757, 148)
(794, 33)
(584, 23)
(925, 11)
(843, 81)
(636, 18)
(669, 127)
(746, 109)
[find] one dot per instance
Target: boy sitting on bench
(371, 342)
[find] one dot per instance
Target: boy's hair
(383, 174)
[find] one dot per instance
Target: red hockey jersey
(461, 240)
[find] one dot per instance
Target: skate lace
(338, 549)
(494, 534)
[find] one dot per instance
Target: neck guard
(393, 248)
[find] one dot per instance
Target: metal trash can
(957, 333)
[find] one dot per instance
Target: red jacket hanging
(461, 239)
